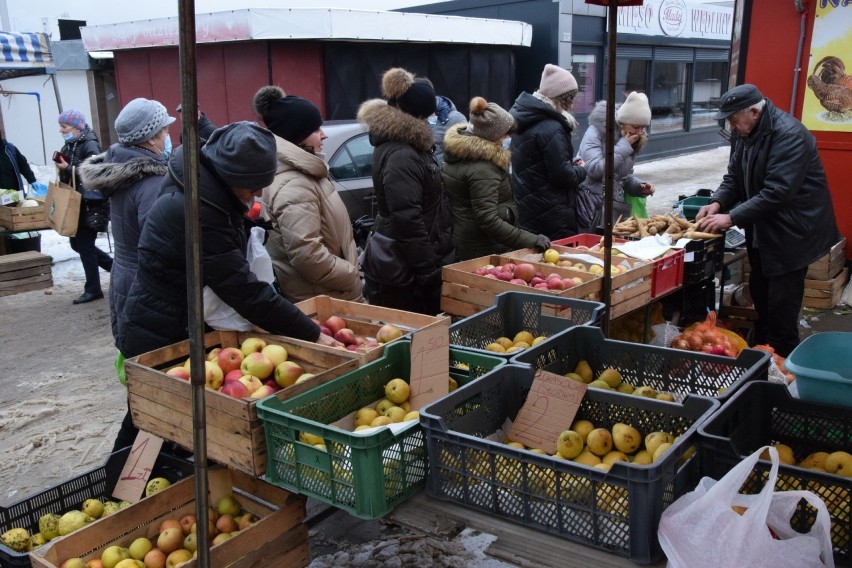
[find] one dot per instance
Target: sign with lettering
(430, 364)
(138, 467)
(549, 410)
(677, 18)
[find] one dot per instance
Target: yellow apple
(397, 391)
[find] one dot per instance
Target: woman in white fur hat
(631, 117)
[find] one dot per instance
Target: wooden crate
(16, 218)
(365, 320)
(825, 294)
(829, 265)
(278, 538)
(24, 271)
(465, 293)
(162, 404)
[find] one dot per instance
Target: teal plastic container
(822, 364)
(691, 205)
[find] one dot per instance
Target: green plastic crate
(365, 475)
(691, 206)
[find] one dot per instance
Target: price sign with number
(138, 467)
(430, 364)
(550, 408)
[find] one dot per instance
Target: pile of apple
(525, 274)
(610, 379)
(176, 540)
(338, 328)
(254, 370)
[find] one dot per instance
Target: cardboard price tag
(137, 469)
(430, 364)
(549, 410)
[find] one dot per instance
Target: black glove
(542, 243)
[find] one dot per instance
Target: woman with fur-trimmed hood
(130, 174)
(476, 176)
(411, 240)
(631, 118)
(311, 243)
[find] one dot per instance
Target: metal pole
(56, 92)
(189, 104)
(609, 158)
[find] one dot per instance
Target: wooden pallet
(825, 294)
(24, 218)
(24, 271)
(830, 265)
(278, 538)
(162, 404)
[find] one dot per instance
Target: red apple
(273, 384)
(536, 280)
(508, 267)
(257, 364)
(555, 284)
(352, 347)
(213, 376)
(541, 286)
(481, 271)
(345, 336)
(525, 271)
(287, 372)
(335, 324)
(518, 281)
(213, 354)
(568, 283)
(251, 383)
(233, 376)
(262, 392)
(235, 389)
(179, 373)
(504, 276)
(325, 330)
(229, 358)
(388, 333)
(491, 276)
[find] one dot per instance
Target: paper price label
(430, 364)
(138, 467)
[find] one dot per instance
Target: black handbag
(383, 260)
(96, 215)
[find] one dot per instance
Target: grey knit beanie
(140, 120)
(556, 81)
(488, 120)
(635, 110)
(243, 154)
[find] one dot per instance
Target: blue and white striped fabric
(24, 51)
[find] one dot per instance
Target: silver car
(350, 166)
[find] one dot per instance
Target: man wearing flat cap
(776, 190)
(236, 163)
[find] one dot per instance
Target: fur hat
(243, 154)
(290, 117)
(73, 118)
(414, 96)
(140, 120)
(488, 120)
(635, 110)
(556, 81)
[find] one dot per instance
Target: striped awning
(24, 53)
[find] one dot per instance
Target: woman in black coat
(80, 143)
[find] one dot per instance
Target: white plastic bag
(220, 315)
(700, 529)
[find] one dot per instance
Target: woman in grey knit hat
(476, 176)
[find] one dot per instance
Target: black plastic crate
(617, 510)
(765, 413)
(697, 272)
(69, 495)
(521, 311)
(664, 369)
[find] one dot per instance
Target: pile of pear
(522, 340)
(600, 447)
(610, 379)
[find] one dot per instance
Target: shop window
(668, 96)
(584, 69)
(709, 78)
(630, 75)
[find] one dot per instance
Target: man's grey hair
(758, 106)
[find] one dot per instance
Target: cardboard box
(24, 271)
(16, 218)
(825, 294)
(278, 538)
(162, 404)
(366, 320)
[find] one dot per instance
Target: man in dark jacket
(776, 190)
(414, 212)
(13, 165)
(237, 162)
(545, 180)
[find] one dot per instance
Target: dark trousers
(92, 257)
(778, 301)
(126, 434)
(411, 298)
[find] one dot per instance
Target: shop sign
(677, 18)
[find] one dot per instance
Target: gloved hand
(38, 189)
(542, 243)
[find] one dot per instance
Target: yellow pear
(587, 458)
(611, 377)
(645, 391)
(523, 336)
(582, 427)
(839, 463)
(599, 441)
(495, 348)
(365, 415)
(660, 451)
(584, 370)
(626, 388)
(615, 456)
(654, 439)
(575, 377)
(785, 454)
(599, 384)
(569, 444)
(667, 396)
(643, 457)
(816, 459)
(626, 438)
(504, 342)
(551, 256)
(538, 339)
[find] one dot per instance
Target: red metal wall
(770, 63)
(228, 76)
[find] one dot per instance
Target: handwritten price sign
(138, 467)
(550, 408)
(430, 364)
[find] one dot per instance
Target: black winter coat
(10, 160)
(155, 313)
(544, 178)
(787, 206)
(413, 206)
(76, 152)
